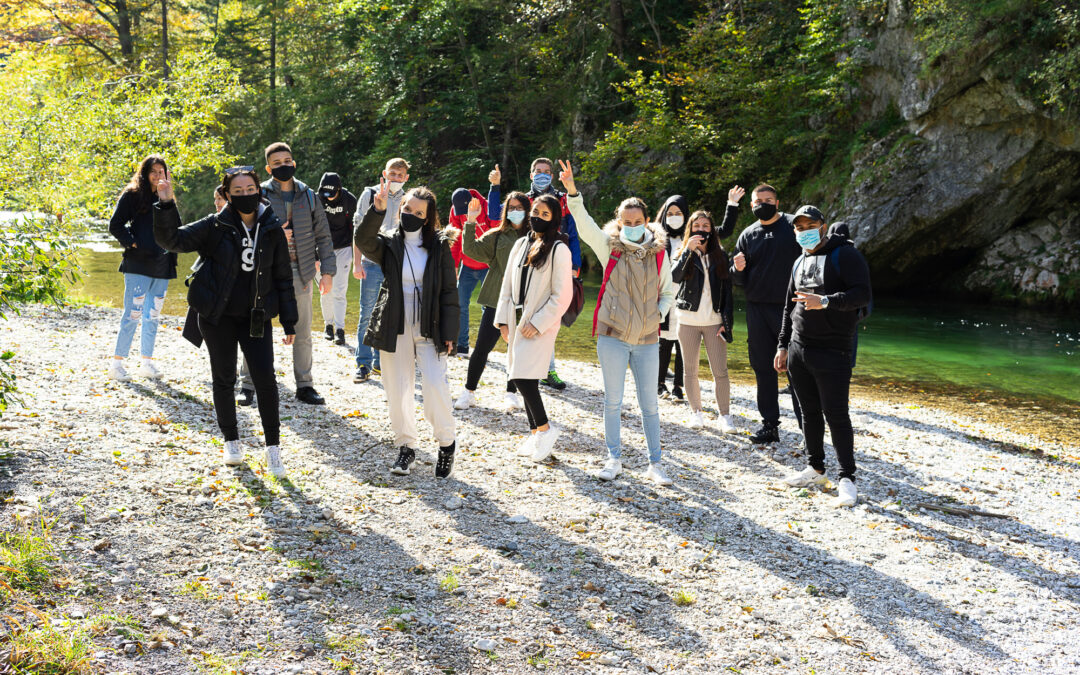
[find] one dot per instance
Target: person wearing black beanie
(672, 216)
(339, 205)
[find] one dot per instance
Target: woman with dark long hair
(493, 249)
(415, 320)
(146, 266)
(703, 309)
(243, 280)
(537, 288)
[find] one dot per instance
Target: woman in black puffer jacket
(147, 267)
(243, 280)
(703, 309)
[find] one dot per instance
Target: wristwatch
(824, 302)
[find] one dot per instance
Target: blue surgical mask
(541, 181)
(515, 217)
(634, 232)
(809, 239)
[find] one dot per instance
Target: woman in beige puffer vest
(633, 302)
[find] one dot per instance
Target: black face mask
(764, 211)
(283, 172)
(410, 222)
(245, 203)
(539, 225)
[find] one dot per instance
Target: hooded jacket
(839, 271)
(483, 224)
(217, 240)
(440, 314)
(339, 211)
(134, 229)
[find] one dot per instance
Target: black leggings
(486, 339)
(222, 340)
(534, 405)
(665, 359)
(821, 379)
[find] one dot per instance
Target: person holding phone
(243, 281)
(703, 307)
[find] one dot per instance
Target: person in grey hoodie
(311, 251)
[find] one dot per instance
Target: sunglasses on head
(238, 169)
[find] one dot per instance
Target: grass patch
(450, 582)
(312, 566)
(44, 649)
(27, 558)
(123, 625)
(217, 664)
(684, 598)
(345, 643)
(197, 589)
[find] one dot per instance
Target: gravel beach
(511, 566)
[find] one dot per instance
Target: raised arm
(587, 229)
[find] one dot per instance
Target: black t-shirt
(339, 213)
(241, 300)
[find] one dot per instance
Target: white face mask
(395, 187)
(675, 222)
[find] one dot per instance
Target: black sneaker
(405, 460)
(361, 375)
(309, 395)
(662, 392)
(768, 433)
(554, 381)
(340, 337)
(677, 395)
(445, 466)
(247, 398)
(462, 350)
(329, 331)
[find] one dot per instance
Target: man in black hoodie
(827, 290)
(339, 205)
(761, 264)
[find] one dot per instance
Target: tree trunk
(617, 21)
(124, 33)
(165, 38)
(273, 68)
(476, 92)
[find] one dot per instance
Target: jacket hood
(684, 206)
(655, 243)
(833, 241)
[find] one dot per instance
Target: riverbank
(510, 566)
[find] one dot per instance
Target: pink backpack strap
(608, 269)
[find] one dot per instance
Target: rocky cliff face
(977, 192)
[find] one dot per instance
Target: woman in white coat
(536, 292)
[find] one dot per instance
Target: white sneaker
(465, 400)
(846, 495)
(657, 474)
(117, 372)
(612, 468)
(148, 370)
(512, 402)
(545, 443)
(234, 456)
(273, 461)
(696, 421)
(726, 424)
(527, 446)
(805, 478)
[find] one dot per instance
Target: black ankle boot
(445, 466)
(768, 433)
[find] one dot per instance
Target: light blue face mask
(541, 181)
(634, 232)
(515, 217)
(809, 239)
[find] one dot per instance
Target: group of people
(667, 286)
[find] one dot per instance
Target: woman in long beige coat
(536, 291)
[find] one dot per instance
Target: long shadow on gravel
(779, 553)
(325, 557)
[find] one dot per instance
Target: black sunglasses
(238, 169)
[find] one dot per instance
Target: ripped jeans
(143, 298)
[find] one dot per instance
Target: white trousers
(333, 303)
(399, 383)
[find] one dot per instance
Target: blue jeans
(467, 280)
(644, 361)
(369, 293)
(143, 298)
